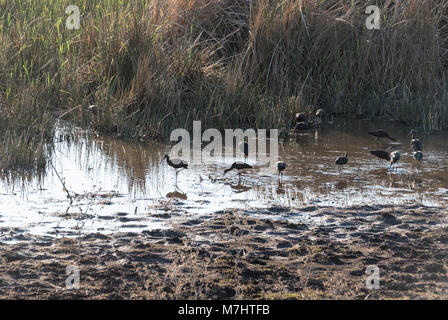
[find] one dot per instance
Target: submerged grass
(138, 69)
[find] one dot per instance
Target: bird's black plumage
(238, 166)
(416, 145)
(342, 160)
(175, 163)
(394, 157)
(281, 165)
(418, 155)
(381, 154)
(320, 113)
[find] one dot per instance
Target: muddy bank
(238, 254)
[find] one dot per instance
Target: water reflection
(125, 177)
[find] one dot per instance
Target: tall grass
(138, 69)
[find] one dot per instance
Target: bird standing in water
(280, 167)
(393, 157)
(175, 163)
(380, 133)
(418, 155)
(320, 113)
(341, 161)
(238, 166)
(416, 145)
(300, 117)
(381, 154)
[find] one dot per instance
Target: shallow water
(124, 187)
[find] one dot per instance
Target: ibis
(342, 160)
(416, 145)
(281, 165)
(175, 163)
(238, 166)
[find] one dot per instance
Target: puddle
(123, 187)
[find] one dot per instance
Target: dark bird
(320, 113)
(342, 160)
(280, 167)
(380, 134)
(394, 157)
(300, 117)
(418, 155)
(416, 145)
(381, 154)
(175, 163)
(238, 166)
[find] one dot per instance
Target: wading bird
(418, 155)
(320, 113)
(381, 154)
(176, 164)
(238, 166)
(280, 167)
(393, 157)
(380, 133)
(300, 117)
(341, 161)
(416, 145)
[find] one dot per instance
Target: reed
(138, 69)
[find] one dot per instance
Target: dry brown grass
(139, 69)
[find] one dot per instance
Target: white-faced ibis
(416, 145)
(380, 133)
(381, 154)
(238, 166)
(320, 113)
(175, 163)
(342, 160)
(280, 167)
(418, 155)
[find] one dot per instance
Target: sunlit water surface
(124, 187)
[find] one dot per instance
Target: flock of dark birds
(302, 124)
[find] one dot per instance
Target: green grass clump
(141, 68)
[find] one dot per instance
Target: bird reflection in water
(239, 188)
(280, 189)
